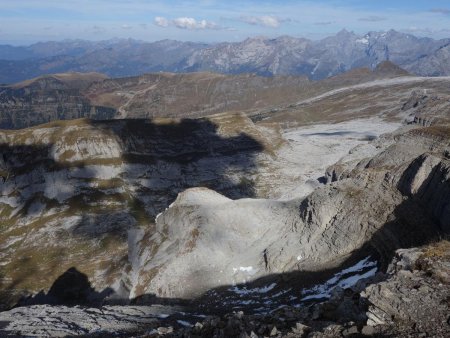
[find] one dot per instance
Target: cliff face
(57, 97)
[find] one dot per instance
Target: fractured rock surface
(384, 202)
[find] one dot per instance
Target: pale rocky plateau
(326, 215)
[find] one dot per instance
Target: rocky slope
(77, 95)
(239, 241)
(409, 300)
(98, 186)
(284, 55)
(390, 200)
(423, 99)
(101, 211)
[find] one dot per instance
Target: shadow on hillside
(70, 289)
(160, 159)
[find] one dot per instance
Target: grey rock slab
(59, 321)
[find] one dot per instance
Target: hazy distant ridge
(280, 56)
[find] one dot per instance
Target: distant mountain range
(284, 55)
(73, 95)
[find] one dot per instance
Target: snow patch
(324, 290)
(248, 269)
(245, 291)
(363, 40)
(315, 68)
(184, 323)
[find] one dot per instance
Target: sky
(27, 21)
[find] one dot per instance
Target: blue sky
(27, 21)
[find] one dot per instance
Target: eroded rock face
(49, 98)
(206, 240)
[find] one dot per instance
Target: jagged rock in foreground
(415, 297)
(409, 300)
(61, 321)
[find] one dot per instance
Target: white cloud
(125, 26)
(191, 23)
(161, 22)
(186, 23)
(264, 20)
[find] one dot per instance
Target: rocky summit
(324, 212)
